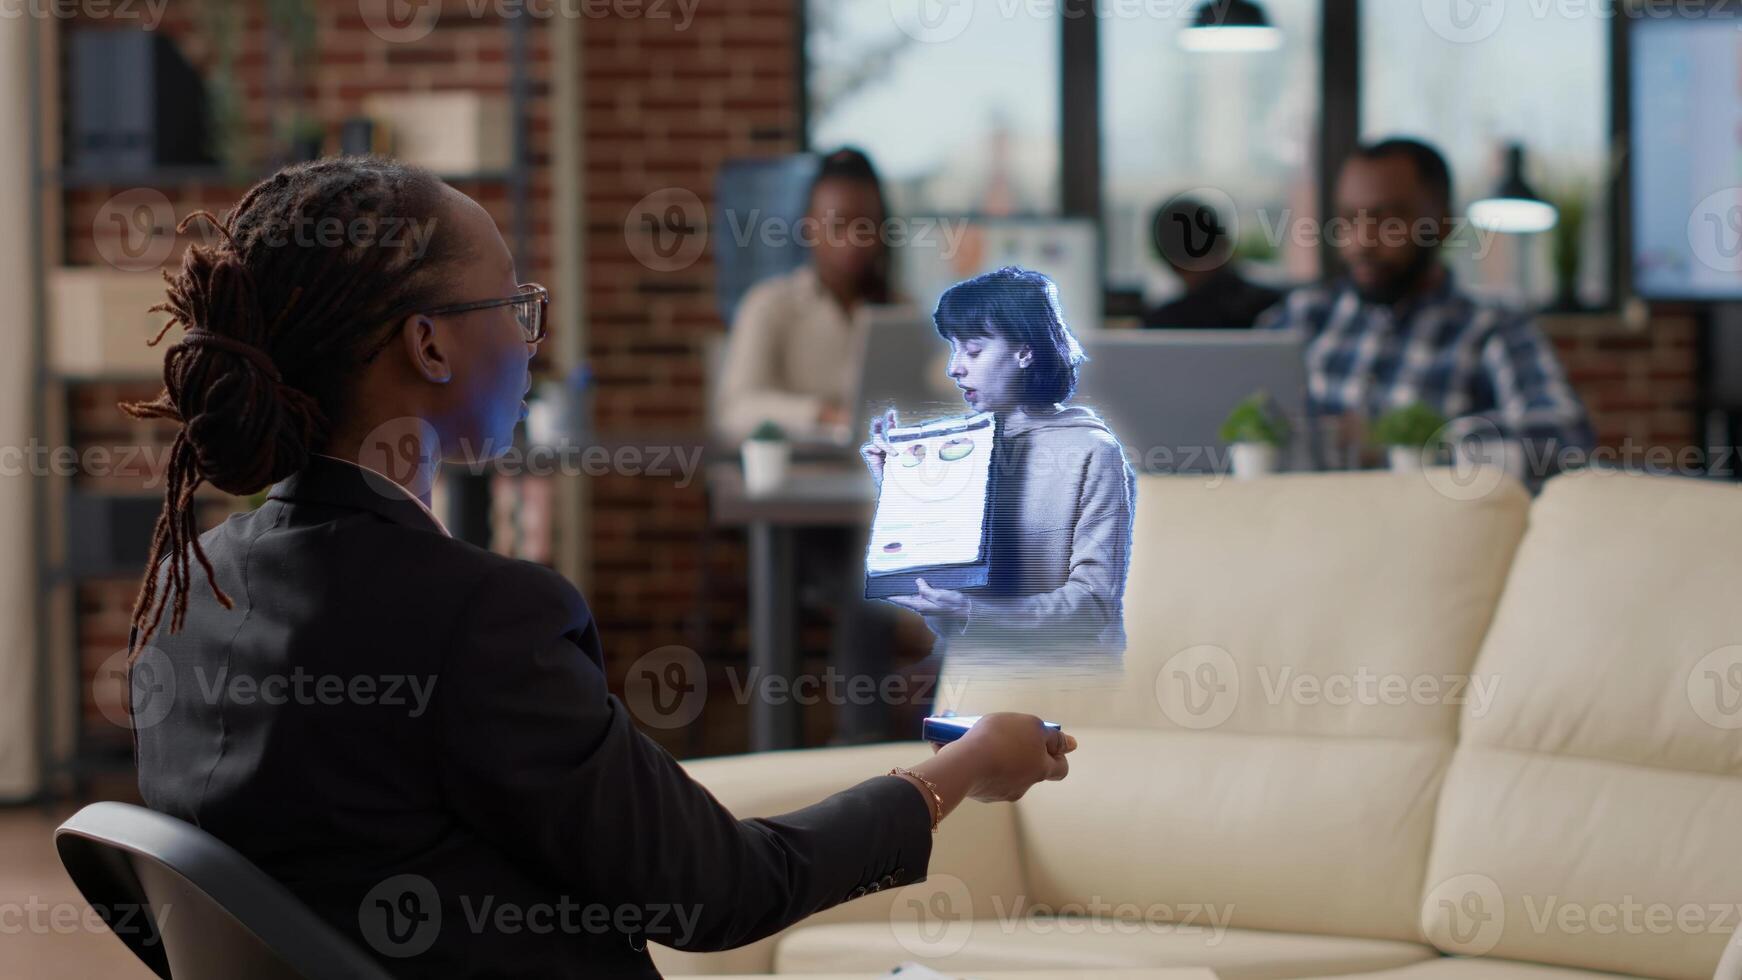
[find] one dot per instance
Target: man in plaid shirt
(1398, 330)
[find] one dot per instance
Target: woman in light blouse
(792, 355)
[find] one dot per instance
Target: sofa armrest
(977, 846)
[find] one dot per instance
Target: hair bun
(250, 429)
(247, 428)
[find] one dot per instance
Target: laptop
(902, 367)
(1165, 393)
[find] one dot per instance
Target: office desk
(819, 494)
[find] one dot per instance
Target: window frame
(1340, 88)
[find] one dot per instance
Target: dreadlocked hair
(310, 269)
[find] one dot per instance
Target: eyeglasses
(530, 306)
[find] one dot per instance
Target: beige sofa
(1366, 722)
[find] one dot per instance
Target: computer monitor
(903, 367)
(1684, 89)
(1165, 393)
(941, 252)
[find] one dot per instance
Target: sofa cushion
(1591, 814)
(1312, 835)
(1292, 605)
(1299, 647)
(1039, 943)
(1476, 968)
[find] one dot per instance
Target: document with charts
(931, 510)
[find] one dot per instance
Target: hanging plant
(226, 128)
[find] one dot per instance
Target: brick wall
(1639, 386)
(664, 106)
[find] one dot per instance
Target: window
(956, 103)
(1237, 129)
(1472, 79)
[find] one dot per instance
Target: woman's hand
(935, 602)
(998, 760)
(1013, 752)
(875, 452)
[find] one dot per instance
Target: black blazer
(416, 737)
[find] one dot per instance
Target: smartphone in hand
(944, 729)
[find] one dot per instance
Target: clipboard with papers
(933, 508)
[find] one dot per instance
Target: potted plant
(765, 456)
(1411, 435)
(1568, 244)
(227, 132)
(305, 137)
(1254, 430)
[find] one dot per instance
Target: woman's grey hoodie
(1063, 497)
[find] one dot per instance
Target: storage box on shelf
(99, 322)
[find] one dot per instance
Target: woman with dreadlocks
(408, 731)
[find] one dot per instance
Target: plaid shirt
(1467, 360)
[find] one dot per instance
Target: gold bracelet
(937, 809)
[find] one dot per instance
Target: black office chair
(224, 918)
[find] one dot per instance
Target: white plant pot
(765, 462)
(1405, 459)
(1253, 459)
(541, 424)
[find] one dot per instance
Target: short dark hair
(846, 163)
(1430, 165)
(849, 163)
(1168, 228)
(1022, 306)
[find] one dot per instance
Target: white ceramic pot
(1253, 459)
(1405, 459)
(765, 462)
